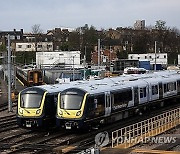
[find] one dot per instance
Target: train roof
(126, 81)
(114, 83)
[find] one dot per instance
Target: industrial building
(64, 59)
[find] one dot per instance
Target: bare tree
(36, 29)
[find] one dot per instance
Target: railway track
(18, 140)
(89, 141)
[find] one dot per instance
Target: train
(112, 99)
(30, 76)
(37, 105)
(87, 104)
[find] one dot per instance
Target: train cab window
(154, 90)
(71, 102)
(30, 100)
(142, 92)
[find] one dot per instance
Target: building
(65, 59)
(32, 46)
(121, 64)
(139, 25)
(105, 58)
(178, 59)
(161, 58)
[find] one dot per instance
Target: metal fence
(135, 133)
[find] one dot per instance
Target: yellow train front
(37, 106)
(71, 108)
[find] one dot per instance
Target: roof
(114, 83)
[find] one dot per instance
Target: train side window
(175, 86)
(165, 87)
(178, 83)
(154, 90)
(142, 92)
(122, 97)
(99, 100)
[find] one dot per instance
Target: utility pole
(73, 68)
(155, 56)
(85, 63)
(99, 52)
(9, 75)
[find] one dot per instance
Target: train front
(71, 107)
(30, 107)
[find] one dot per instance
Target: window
(142, 92)
(18, 37)
(71, 101)
(154, 90)
(170, 87)
(31, 100)
(99, 101)
(28, 46)
(150, 57)
(120, 99)
(49, 46)
(19, 46)
(39, 46)
(164, 56)
(145, 57)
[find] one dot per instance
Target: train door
(136, 96)
(107, 103)
(160, 91)
(35, 77)
(178, 86)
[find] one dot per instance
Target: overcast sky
(17, 14)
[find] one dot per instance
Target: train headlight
(38, 111)
(78, 113)
(20, 111)
(60, 112)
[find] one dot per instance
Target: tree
(36, 29)
(160, 25)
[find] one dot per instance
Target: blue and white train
(91, 103)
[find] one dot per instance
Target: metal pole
(9, 76)
(73, 68)
(85, 63)
(15, 85)
(155, 57)
(98, 53)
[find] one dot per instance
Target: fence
(133, 134)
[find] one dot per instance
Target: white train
(111, 99)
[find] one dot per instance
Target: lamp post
(73, 67)
(9, 76)
(155, 56)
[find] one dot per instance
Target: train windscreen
(71, 101)
(30, 100)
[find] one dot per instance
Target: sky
(50, 14)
